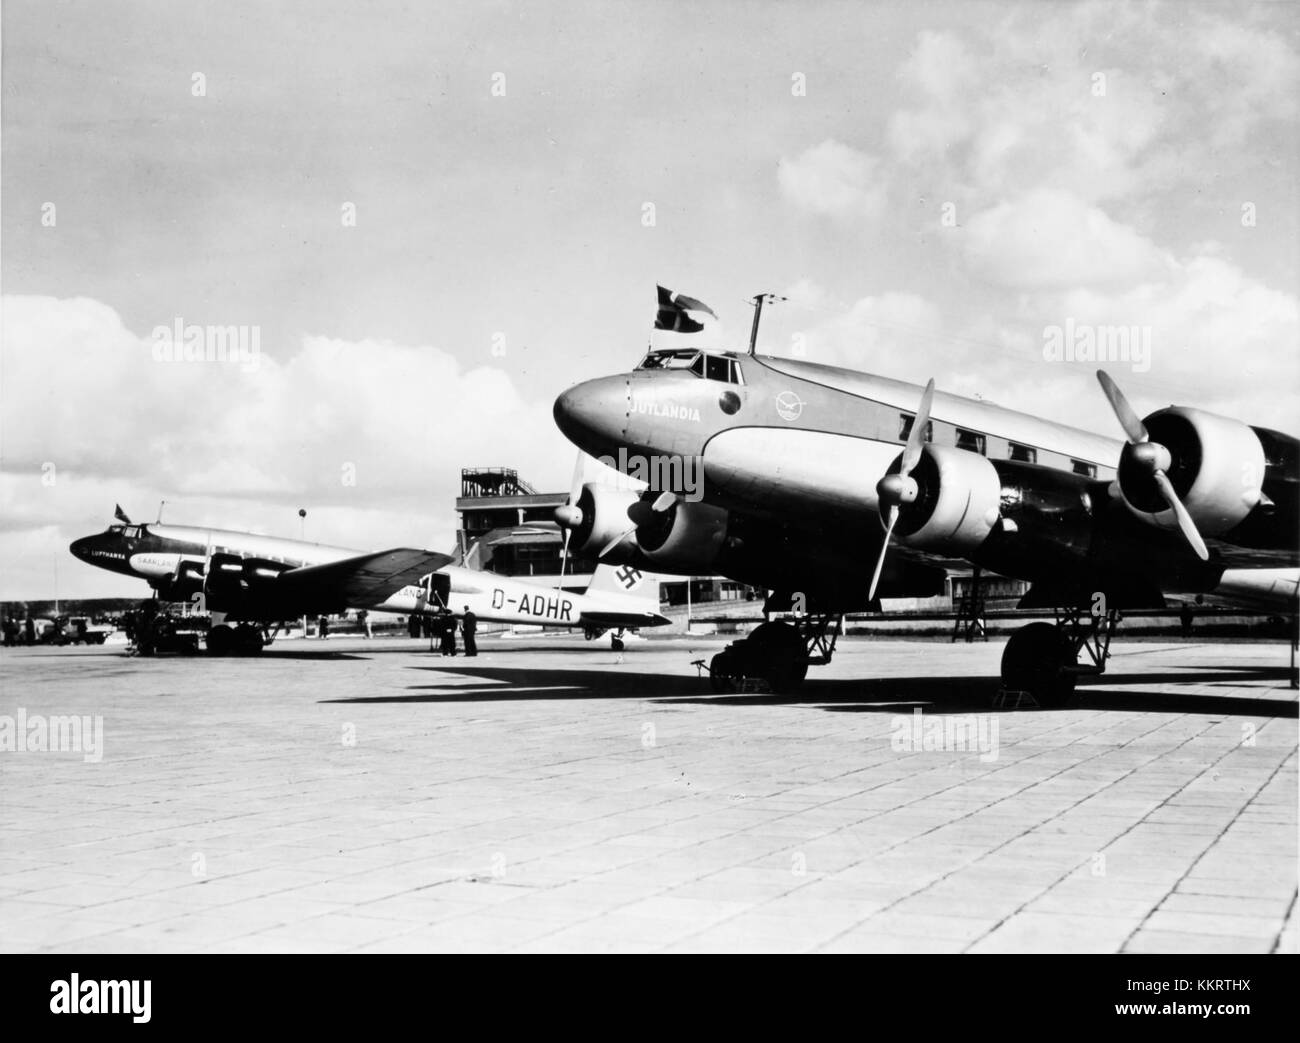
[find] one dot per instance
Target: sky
(435, 218)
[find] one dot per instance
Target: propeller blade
(916, 437)
(615, 542)
(579, 473)
(564, 557)
(1134, 429)
(1184, 519)
(884, 549)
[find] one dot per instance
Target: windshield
(703, 364)
(669, 360)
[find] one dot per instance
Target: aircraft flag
(120, 514)
(673, 309)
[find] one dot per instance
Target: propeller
(663, 502)
(898, 489)
(1153, 458)
(569, 516)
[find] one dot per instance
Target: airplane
(256, 582)
(831, 488)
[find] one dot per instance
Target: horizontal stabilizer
(367, 579)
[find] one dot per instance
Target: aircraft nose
(593, 414)
(81, 548)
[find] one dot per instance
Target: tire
(221, 639)
(248, 640)
(778, 656)
(722, 672)
(1033, 661)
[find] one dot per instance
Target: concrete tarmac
(553, 795)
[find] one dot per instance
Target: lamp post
(302, 532)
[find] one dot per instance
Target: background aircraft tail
(625, 581)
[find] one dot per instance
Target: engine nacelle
(603, 515)
(960, 495)
(1216, 466)
(182, 584)
(236, 584)
(686, 538)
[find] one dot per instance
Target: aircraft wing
(367, 579)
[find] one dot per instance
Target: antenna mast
(757, 302)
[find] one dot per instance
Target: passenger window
(971, 441)
(905, 422)
(1085, 469)
(1024, 453)
(718, 369)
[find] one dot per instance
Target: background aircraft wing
(367, 579)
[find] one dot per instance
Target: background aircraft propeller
(1153, 459)
(898, 489)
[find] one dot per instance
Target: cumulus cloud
(866, 335)
(1051, 238)
(369, 435)
(832, 179)
(1098, 99)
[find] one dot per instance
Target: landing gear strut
(776, 653)
(1043, 658)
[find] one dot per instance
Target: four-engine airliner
(831, 488)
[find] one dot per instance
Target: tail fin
(624, 581)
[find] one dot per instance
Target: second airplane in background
(250, 583)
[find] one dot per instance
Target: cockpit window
(669, 359)
(132, 532)
(115, 528)
(702, 364)
(717, 368)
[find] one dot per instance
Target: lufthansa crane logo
(629, 577)
(789, 406)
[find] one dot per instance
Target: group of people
(19, 631)
(443, 627)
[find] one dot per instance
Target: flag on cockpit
(120, 514)
(673, 308)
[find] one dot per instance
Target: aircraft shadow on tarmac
(867, 695)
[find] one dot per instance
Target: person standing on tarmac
(468, 628)
(448, 625)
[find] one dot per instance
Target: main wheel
(722, 672)
(248, 640)
(221, 639)
(778, 656)
(1035, 661)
